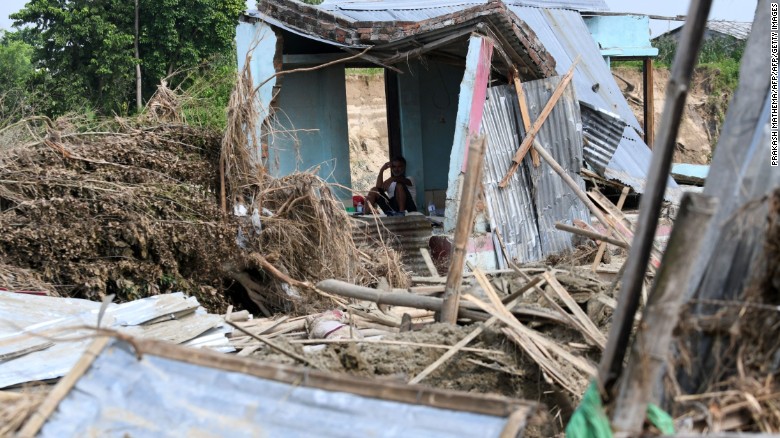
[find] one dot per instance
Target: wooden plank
(649, 101)
(63, 387)
(468, 198)
(524, 114)
(429, 262)
(530, 134)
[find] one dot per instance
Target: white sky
(736, 10)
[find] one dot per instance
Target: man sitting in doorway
(392, 195)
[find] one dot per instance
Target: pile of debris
(133, 211)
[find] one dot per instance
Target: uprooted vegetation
(134, 210)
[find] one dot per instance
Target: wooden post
(649, 104)
(651, 346)
(650, 206)
(468, 197)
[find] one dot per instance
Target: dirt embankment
(702, 117)
(368, 143)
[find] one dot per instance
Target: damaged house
(451, 71)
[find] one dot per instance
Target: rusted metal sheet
(406, 234)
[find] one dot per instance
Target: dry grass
(15, 409)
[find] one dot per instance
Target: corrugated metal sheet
(565, 36)
(407, 234)
(738, 29)
(65, 320)
(561, 136)
(630, 164)
(120, 395)
(419, 10)
(602, 132)
(511, 209)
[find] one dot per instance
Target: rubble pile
(133, 211)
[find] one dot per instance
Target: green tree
(86, 47)
(16, 71)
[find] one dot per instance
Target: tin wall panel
(511, 209)
(561, 136)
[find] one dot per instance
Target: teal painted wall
(622, 35)
(428, 107)
(439, 103)
(311, 126)
(261, 62)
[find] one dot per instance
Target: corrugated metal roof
(630, 164)
(418, 10)
(120, 395)
(405, 233)
(67, 318)
(511, 209)
(602, 133)
(565, 36)
(738, 29)
(561, 136)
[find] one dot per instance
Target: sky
(735, 10)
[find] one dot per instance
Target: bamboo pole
(471, 182)
(651, 346)
(650, 205)
(593, 235)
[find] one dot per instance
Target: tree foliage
(85, 47)
(16, 71)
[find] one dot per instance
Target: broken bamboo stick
(524, 114)
(429, 262)
(530, 135)
(586, 326)
(651, 345)
(591, 234)
(480, 276)
(471, 181)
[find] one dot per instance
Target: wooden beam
(63, 387)
(648, 104)
(530, 134)
(524, 114)
(468, 198)
(466, 310)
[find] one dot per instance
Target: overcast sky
(736, 10)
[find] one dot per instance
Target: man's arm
(380, 179)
